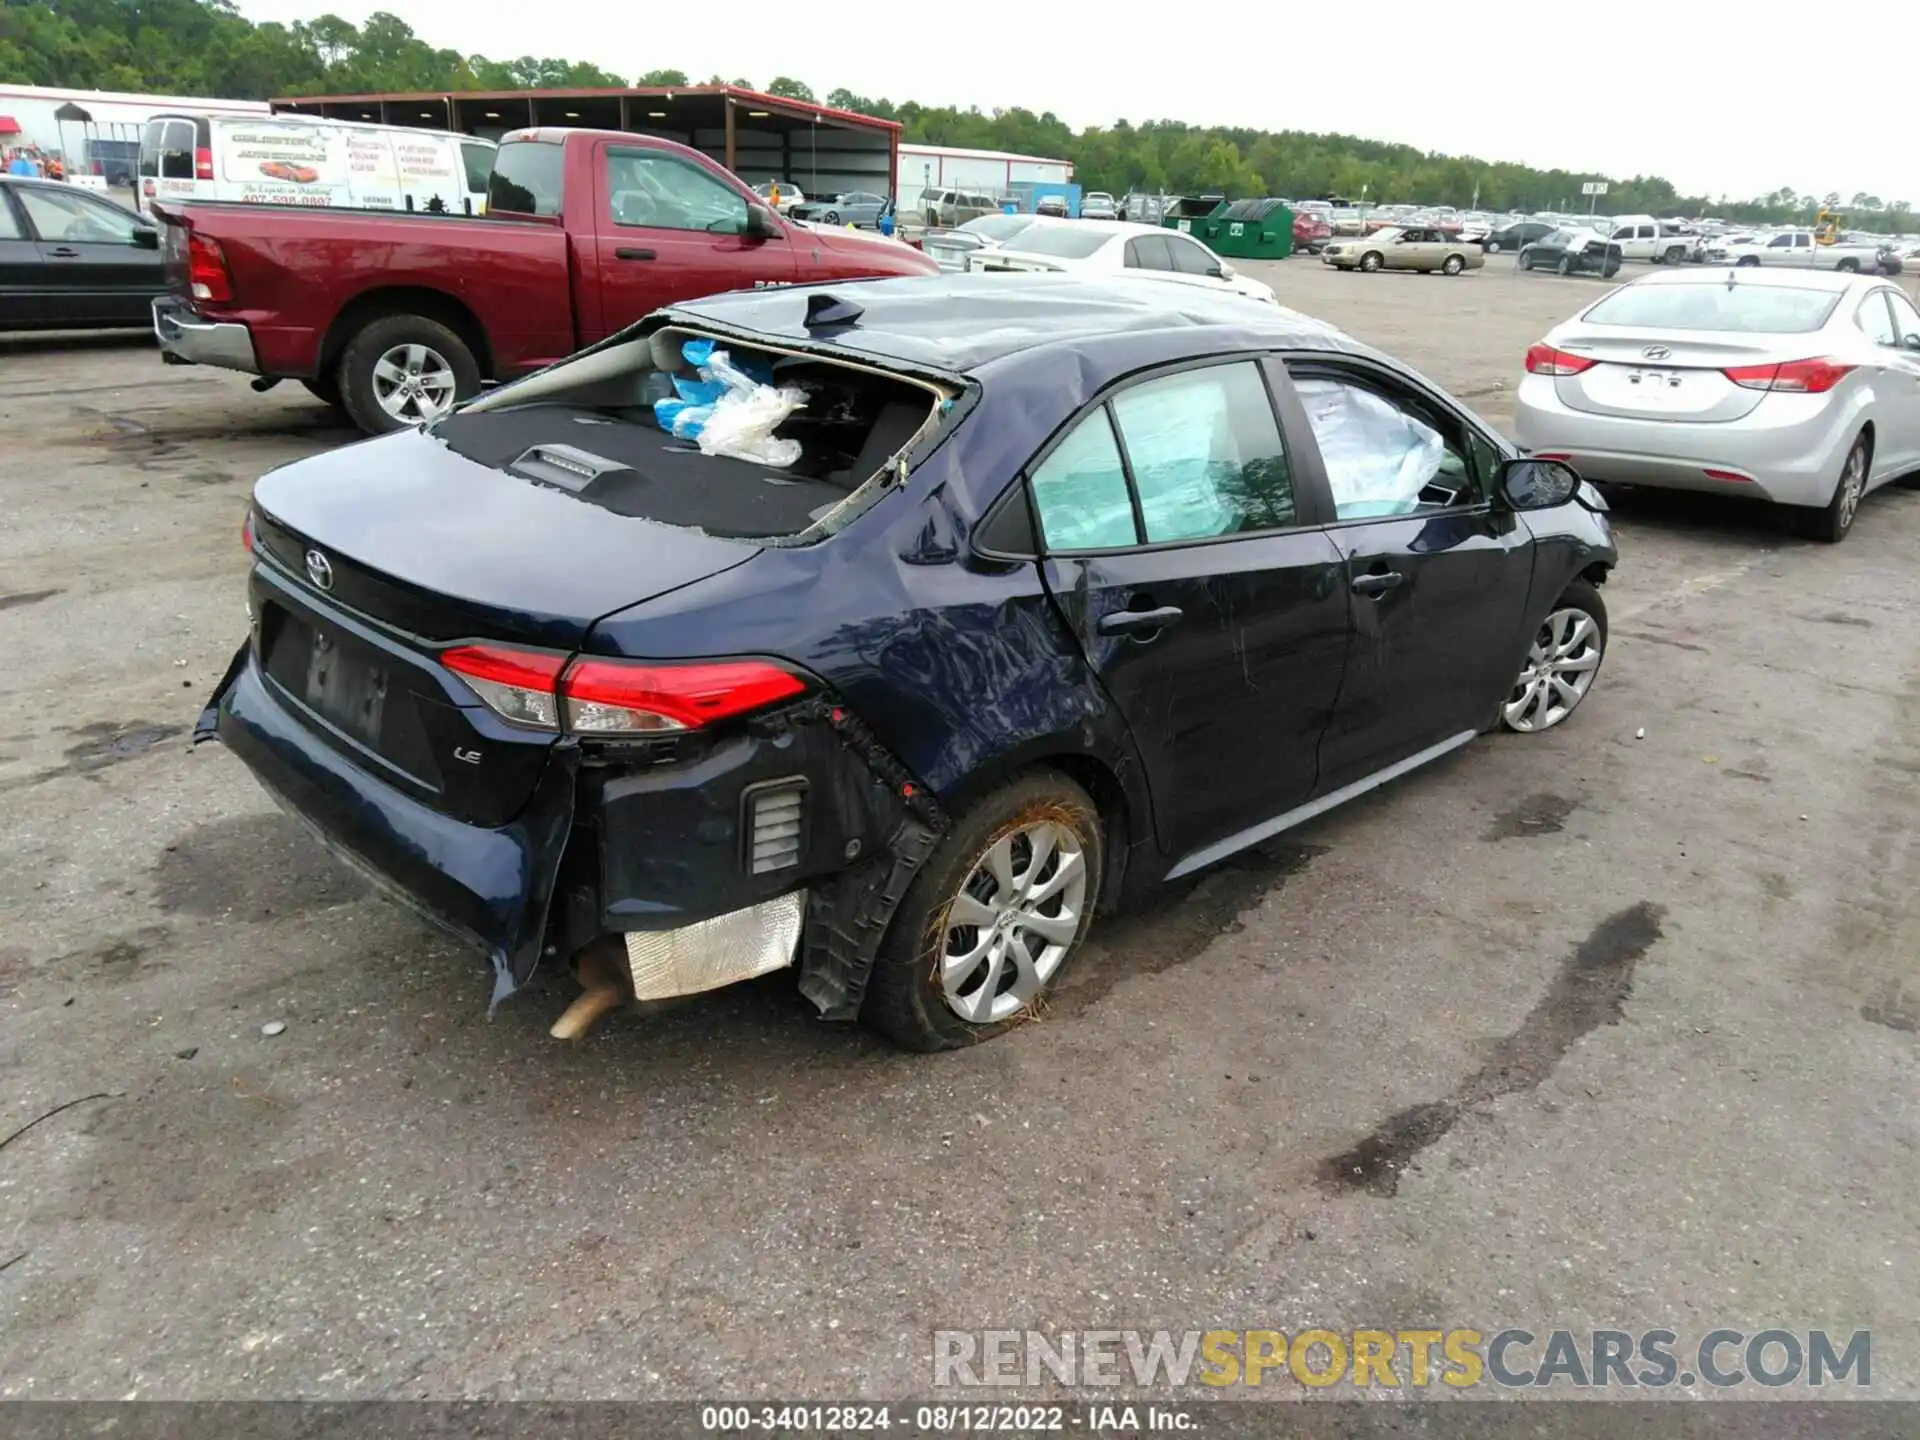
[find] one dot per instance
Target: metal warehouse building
(758, 137)
(929, 167)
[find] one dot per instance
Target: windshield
(1067, 242)
(1742, 309)
(997, 227)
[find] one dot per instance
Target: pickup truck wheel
(1675, 255)
(991, 920)
(1746, 260)
(405, 370)
(1848, 266)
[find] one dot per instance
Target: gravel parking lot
(1582, 1030)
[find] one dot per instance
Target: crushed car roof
(964, 324)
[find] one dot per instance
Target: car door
(1899, 421)
(1439, 575)
(102, 264)
(1187, 559)
(668, 229)
(23, 275)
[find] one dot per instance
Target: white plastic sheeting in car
(1379, 458)
(716, 952)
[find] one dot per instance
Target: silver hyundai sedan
(1796, 386)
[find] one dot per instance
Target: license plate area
(349, 686)
(1649, 379)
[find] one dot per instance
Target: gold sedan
(1408, 248)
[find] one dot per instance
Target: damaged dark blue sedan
(1072, 589)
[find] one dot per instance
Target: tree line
(206, 47)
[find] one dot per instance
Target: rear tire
(367, 364)
(907, 999)
(1454, 265)
(1493, 247)
(1565, 267)
(1746, 261)
(1833, 524)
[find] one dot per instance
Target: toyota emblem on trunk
(319, 570)
(1652, 352)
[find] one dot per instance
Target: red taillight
(518, 685)
(616, 697)
(246, 532)
(207, 270)
(203, 164)
(1543, 359)
(1800, 377)
(613, 697)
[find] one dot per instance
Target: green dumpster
(1251, 230)
(1189, 213)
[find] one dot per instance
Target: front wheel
(1565, 267)
(1372, 261)
(1849, 266)
(1454, 265)
(1561, 663)
(832, 217)
(992, 919)
(405, 370)
(1746, 262)
(1493, 247)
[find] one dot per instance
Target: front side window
(1190, 258)
(1906, 319)
(1382, 457)
(70, 216)
(1205, 454)
(9, 227)
(1080, 490)
(663, 192)
(1780, 242)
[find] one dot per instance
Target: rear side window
(1080, 490)
(9, 227)
(1148, 252)
(526, 178)
(1068, 242)
(1205, 454)
(1745, 309)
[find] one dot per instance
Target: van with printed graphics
(301, 160)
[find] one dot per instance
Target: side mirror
(1537, 484)
(1218, 272)
(761, 224)
(1910, 341)
(146, 237)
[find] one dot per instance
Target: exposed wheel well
(1092, 775)
(434, 305)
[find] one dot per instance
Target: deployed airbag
(1378, 457)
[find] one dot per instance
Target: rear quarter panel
(294, 271)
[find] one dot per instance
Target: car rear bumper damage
(186, 339)
(488, 886)
(795, 840)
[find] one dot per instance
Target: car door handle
(625, 253)
(1377, 584)
(1132, 622)
(63, 253)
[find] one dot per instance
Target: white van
(302, 160)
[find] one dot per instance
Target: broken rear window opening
(596, 427)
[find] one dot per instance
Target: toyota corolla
(1073, 587)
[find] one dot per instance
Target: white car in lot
(1798, 387)
(1119, 246)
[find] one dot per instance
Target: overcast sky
(1716, 100)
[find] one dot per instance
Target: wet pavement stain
(112, 961)
(250, 867)
(1589, 991)
(108, 743)
(1540, 814)
(26, 597)
(1177, 923)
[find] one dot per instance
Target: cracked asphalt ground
(1569, 1031)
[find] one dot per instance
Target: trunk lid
(445, 547)
(991, 260)
(1659, 374)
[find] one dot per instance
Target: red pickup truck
(395, 316)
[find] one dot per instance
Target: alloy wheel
(1853, 486)
(413, 383)
(1013, 921)
(1564, 658)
